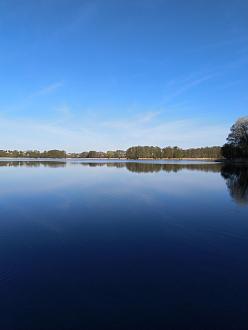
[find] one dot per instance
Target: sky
(110, 74)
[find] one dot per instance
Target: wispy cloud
(149, 116)
(48, 89)
(63, 113)
(131, 122)
(178, 87)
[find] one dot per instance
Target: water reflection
(237, 182)
(28, 163)
(236, 177)
(138, 167)
(146, 168)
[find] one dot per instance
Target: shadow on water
(236, 176)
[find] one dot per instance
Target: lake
(123, 245)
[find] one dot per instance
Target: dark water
(123, 246)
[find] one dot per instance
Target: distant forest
(172, 152)
(137, 152)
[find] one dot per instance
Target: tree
(239, 133)
(237, 140)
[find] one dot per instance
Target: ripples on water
(123, 245)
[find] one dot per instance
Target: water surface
(123, 245)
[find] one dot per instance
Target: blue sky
(107, 74)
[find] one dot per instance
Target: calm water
(123, 245)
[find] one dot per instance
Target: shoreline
(224, 161)
(104, 159)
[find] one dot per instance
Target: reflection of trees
(136, 167)
(143, 167)
(237, 182)
(146, 167)
(32, 164)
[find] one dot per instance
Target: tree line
(172, 152)
(137, 152)
(33, 154)
(99, 154)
